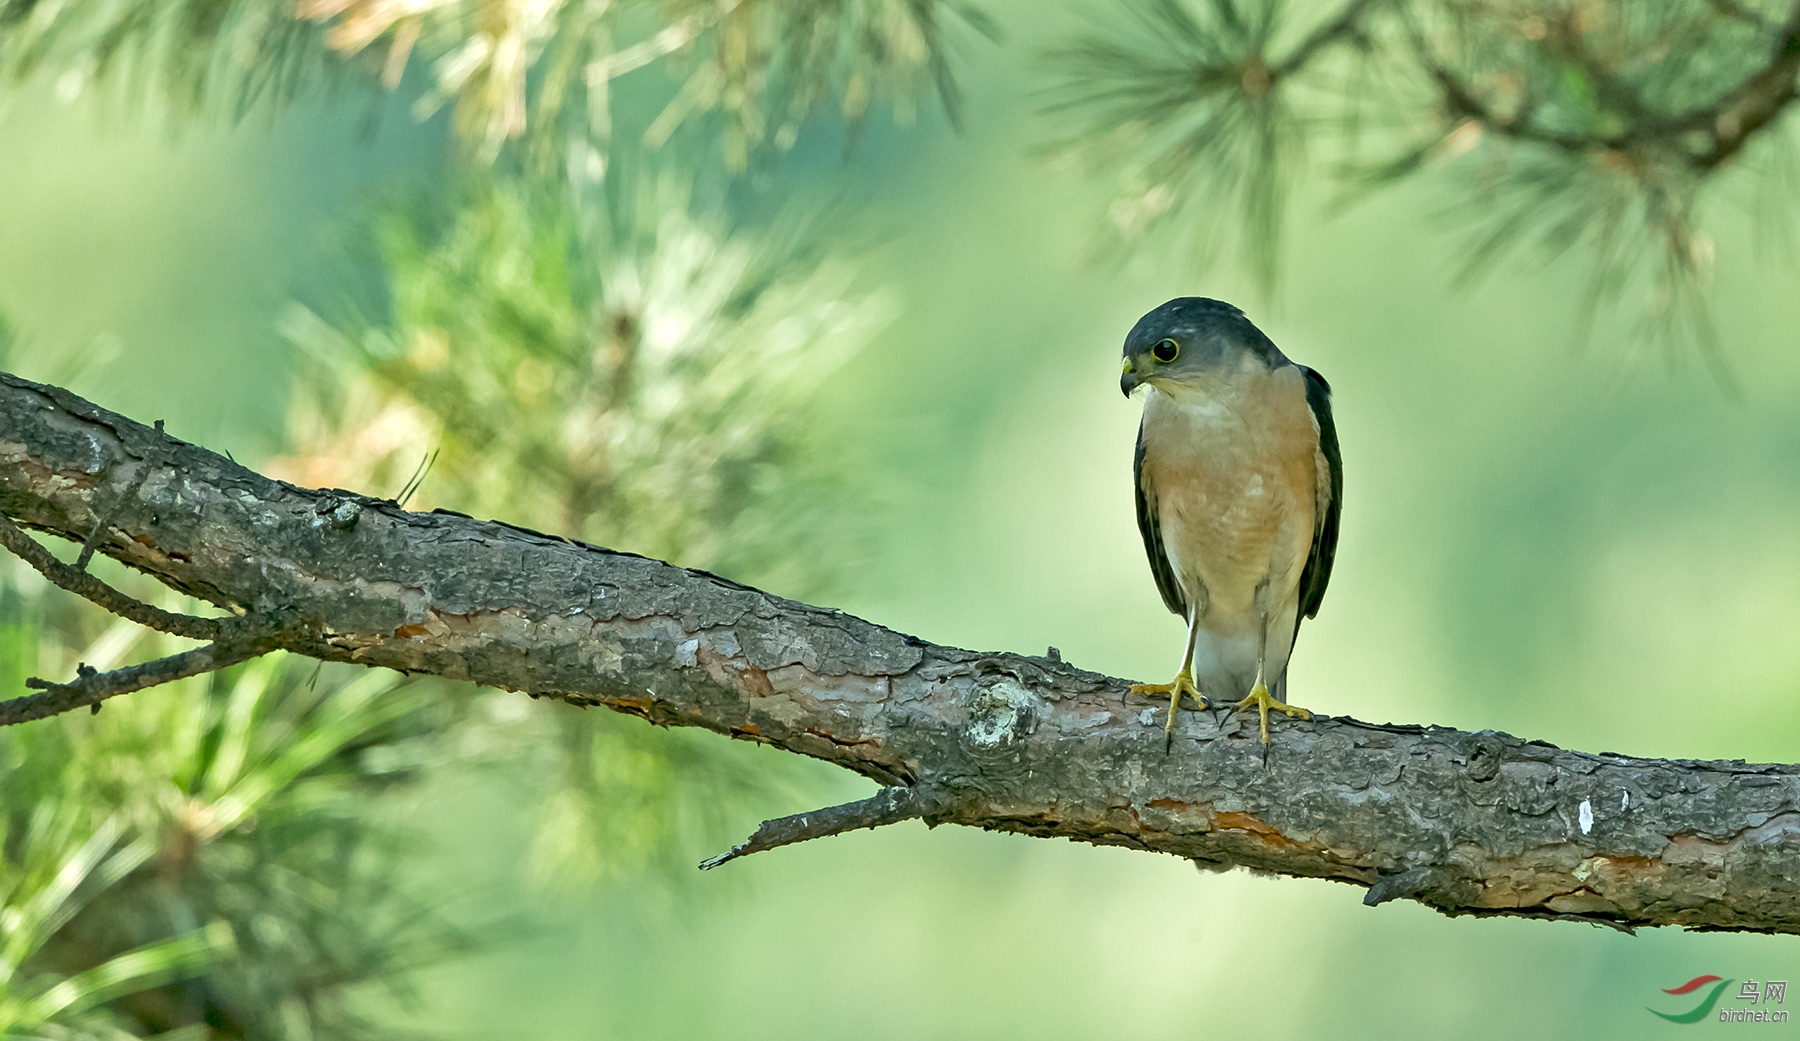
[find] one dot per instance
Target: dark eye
(1165, 350)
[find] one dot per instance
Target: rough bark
(1468, 823)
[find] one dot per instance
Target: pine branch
(1723, 125)
(888, 806)
(1756, 101)
(76, 580)
(1467, 823)
(91, 687)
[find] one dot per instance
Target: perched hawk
(1239, 488)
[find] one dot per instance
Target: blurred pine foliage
(619, 365)
(1595, 126)
(218, 859)
(1599, 127)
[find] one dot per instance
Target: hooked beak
(1129, 380)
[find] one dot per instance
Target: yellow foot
(1262, 701)
(1175, 688)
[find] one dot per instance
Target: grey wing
(1325, 532)
(1152, 532)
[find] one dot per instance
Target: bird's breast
(1233, 473)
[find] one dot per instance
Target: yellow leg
(1183, 683)
(1262, 701)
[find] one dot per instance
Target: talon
(1175, 688)
(1262, 701)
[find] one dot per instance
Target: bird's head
(1194, 341)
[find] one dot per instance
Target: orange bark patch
(755, 681)
(1244, 822)
(1630, 868)
(1230, 819)
(411, 632)
(157, 556)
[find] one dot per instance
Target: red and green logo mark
(1707, 1000)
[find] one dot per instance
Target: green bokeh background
(1576, 545)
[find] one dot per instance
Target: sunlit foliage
(514, 66)
(512, 69)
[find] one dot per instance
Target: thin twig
(1758, 100)
(91, 688)
(1347, 25)
(887, 806)
(86, 586)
